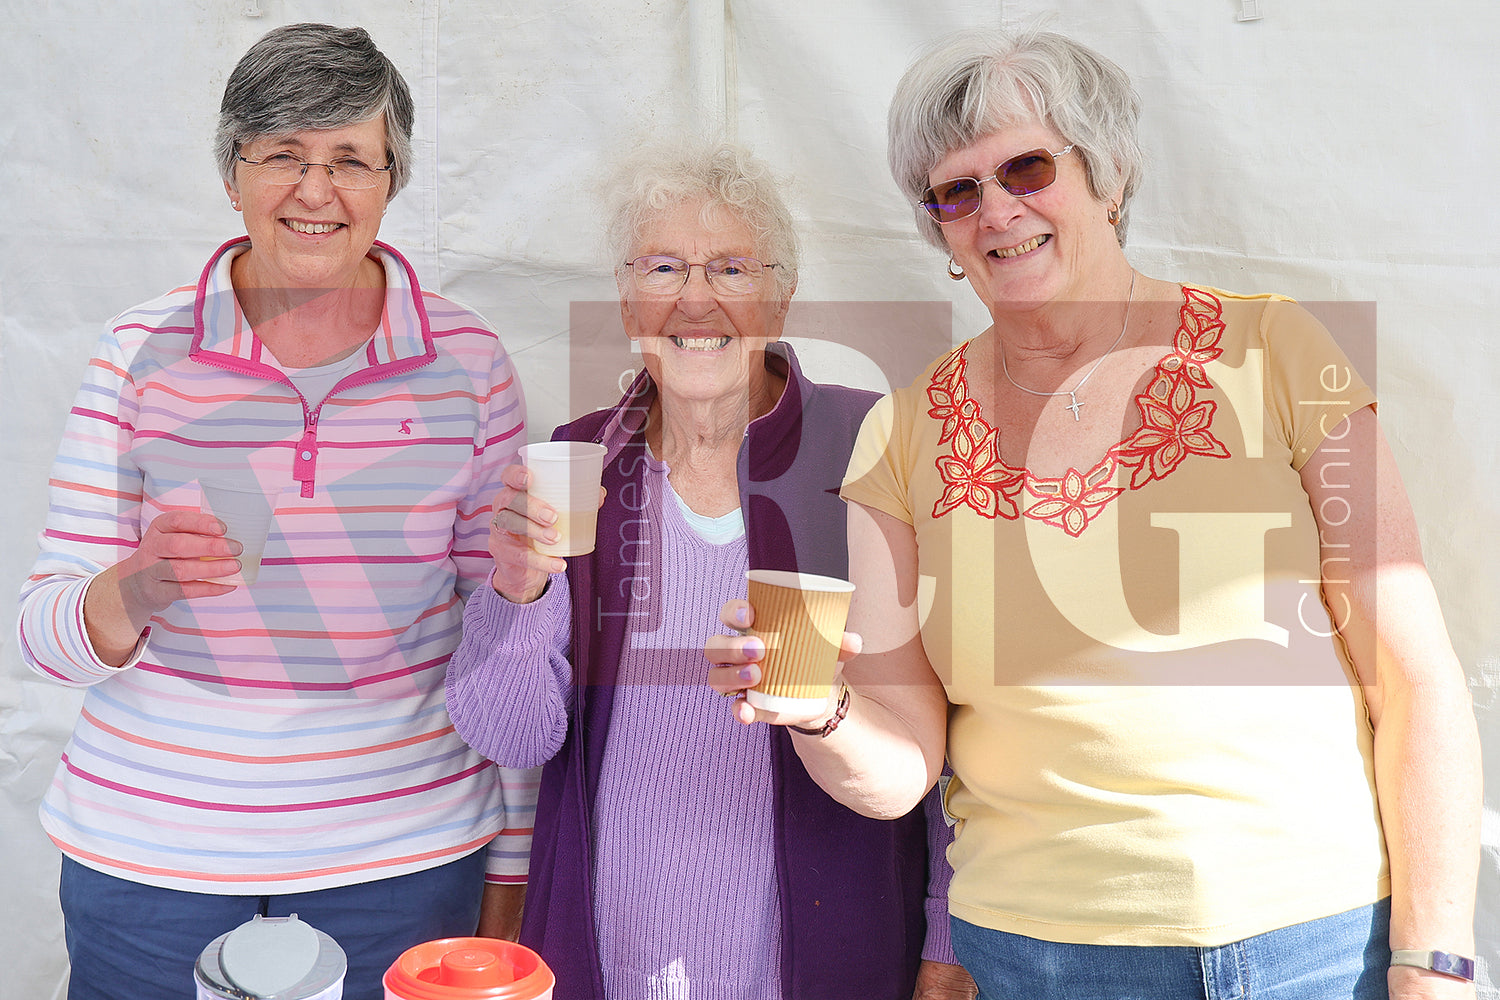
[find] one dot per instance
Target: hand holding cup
(518, 517)
(183, 554)
(735, 667)
(526, 532)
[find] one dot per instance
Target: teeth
(1026, 247)
(314, 228)
(701, 343)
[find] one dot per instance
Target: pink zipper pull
(305, 462)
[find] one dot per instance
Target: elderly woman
(1168, 708)
(280, 746)
(661, 824)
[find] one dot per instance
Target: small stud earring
(1114, 215)
(955, 271)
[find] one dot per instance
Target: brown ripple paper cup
(800, 617)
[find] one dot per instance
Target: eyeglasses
(1026, 173)
(345, 173)
(659, 274)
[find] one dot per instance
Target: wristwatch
(1442, 962)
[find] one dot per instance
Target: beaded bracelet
(833, 722)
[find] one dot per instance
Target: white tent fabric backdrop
(1336, 151)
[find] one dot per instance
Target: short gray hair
(314, 76)
(660, 175)
(973, 83)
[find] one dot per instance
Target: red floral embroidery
(951, 404)
(976, 477)
(1073, 501)
(1197, 338)
(1174, 425)
(1166, 437)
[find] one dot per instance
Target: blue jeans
(1342, 957)
(128, 941)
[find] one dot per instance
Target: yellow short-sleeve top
(1156, 736)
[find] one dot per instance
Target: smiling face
(311, 235)
(1020, 254)
(698, 344)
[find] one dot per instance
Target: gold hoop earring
(1114, 214)
(954, 270)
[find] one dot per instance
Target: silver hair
(973, 83)
(314, 76)
(659, 176)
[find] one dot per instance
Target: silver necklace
(1072, 393)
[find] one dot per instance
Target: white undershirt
(719, 530)
(316, 382)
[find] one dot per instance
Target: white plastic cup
(246, 510)
(566, 474)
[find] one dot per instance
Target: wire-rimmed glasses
(662, 274)
(346, 173)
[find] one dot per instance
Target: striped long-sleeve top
(290, 735)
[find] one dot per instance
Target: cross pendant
(1074, 406)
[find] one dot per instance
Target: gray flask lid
(269, 955)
